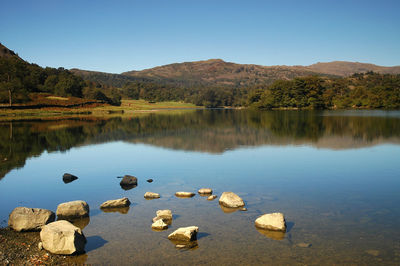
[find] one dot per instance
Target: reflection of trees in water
(201, 130)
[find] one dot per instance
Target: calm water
(335, 176)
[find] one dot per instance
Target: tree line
(366, 90)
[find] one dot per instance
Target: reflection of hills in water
(212, 131)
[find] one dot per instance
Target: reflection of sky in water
(341, 200)
(332, 198)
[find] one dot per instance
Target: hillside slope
(343, 68)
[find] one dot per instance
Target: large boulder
(28, 219)
(231, 200)
(117, 203)
(68, 178)
(182, 194)
(151, 195)
(271, 221)
(72, 210)
(128, 182)
(184, 234)
(62, 237)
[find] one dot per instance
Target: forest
(19, 79)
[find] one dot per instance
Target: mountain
(7, 53)
(216, 72)
(343, 68)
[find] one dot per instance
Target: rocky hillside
(343, 68)
(216, 72)
(6, 53)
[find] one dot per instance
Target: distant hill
(343, 68)
(216, 72)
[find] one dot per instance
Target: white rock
(184, 234)
(159, 225)
(184, 194)
(73, 209)
(151, 195)
(205, 191)
(28, 219)
(164, 214)
(40, 245)
(117, 203)
(212, 197)
(62, 237)
(231, 200)
(271, 221)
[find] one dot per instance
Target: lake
(334, 174)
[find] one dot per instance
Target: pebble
(150, 180)
(304, 245)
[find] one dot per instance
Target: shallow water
(335, 176)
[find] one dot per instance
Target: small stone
(149, 180)
(180, 246)
(159, 225)
(243, 209)
(117, 203)
(184, 194)
(271, 221)
(304, 245)
(231, 200)
(128, 182)
(40, 246)
(205, 191)
(184, 234)
(68, 178)
(151, 195)
(212, 197)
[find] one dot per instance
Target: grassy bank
(127, 107)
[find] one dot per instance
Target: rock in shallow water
(212, 197)
(159, 225)
(72, 210)
(128, 182)
(151, 195)
(68, 178)
(184, 234)
(29, 219)
(271, 221)
(117, 203)
(182, 194)
(231, 200)
(62, 237)
(205, 191)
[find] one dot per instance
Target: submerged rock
(149, 180)
(271, 221)
(151, 195)
(29, 219)
(231, 200)
(275, 235)
(184, 234)
(117, 203)
(186, 245)
(205, 191)
(68, 178)
(182, 194)
(304, 245)
(159, 225)
(62, 237)
(122, 210)
(72, 210)
(212, 197)
(128, 182)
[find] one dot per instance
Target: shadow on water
(94, 242)
(289, 226)
(202, 235)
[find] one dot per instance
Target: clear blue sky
(117, 36)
